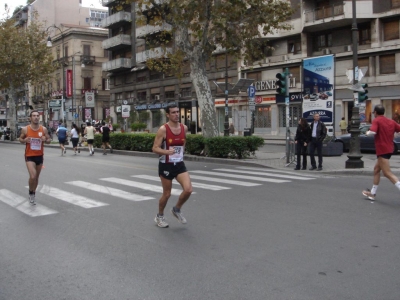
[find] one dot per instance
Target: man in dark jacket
(318, 134)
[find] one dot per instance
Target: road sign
(258, 100)
(252, 91)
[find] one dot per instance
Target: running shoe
(79, 151)
(32, 200)
(160, 221)
(104, 153)
(367, 193)
(111, 150)
(65, 151)
(179, 216)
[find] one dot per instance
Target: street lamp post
(354, 155)
(73, 84)
(49, 44)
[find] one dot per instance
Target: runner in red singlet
(170, 145)
(34, 135)
(383, 129)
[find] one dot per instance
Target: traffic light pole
(354, 161)
(287, 116)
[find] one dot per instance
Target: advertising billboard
(318, 88)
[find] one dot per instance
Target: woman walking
(75, 138)
(303, 134)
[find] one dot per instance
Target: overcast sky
(14, 3)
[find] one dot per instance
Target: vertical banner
(88, 113)
(69, 83)
(318, 83)
(89, 99)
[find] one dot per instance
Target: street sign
(76, 116)
(258, 100)
(252, 91)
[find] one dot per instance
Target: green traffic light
(362, 96)
(281, 83)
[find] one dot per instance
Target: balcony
(150, 29)
(155, 53)
(115, 20)
(88, 60)
(107, 2)
(118, 64)
(117, 42)
(336, 15)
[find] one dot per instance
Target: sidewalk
(274, 160)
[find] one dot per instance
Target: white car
(314, 97)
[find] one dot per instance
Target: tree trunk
(12, 99)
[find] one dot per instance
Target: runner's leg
(385, 167)
(185, 182)
(167, 186)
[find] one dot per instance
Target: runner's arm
(160, 136)
(47, 137)
(22, 137)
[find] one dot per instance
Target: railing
(122, 39)
(155, 53)
(88, 59)
(116, 18)
(324, 12)
(148, 29)
(119, 63)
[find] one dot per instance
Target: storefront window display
(395, 111)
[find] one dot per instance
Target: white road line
(109, 191)
(141, 185)
(70, 197)
(279, 171)
(22, 204)
(256, 178)
(299, 177)
(194, 184)
(221, 180)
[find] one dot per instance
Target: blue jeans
(315, 144)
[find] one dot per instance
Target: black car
(367, 143)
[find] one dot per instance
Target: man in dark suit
(318, 134)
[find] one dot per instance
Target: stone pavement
(270, 157)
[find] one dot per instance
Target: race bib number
(36, 144)
(178, 155)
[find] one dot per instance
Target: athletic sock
(158, 215)
(397, 184)
(374, 189)
(176, 209)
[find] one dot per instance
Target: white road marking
(70, 197)
(280, 171)
(194, 184)
(141, 185)
(299, 177)
(221, 180)
(109, 191)
(22, 204)
(258, 178)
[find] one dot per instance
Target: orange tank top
(35, 147)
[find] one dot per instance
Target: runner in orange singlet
(34, 135)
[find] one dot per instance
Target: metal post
(354, 155)
(73, 87)
(287, 115)
(226, 123)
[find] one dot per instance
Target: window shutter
(364, 62)
(391, 30)
(254, 75)
(387, 64)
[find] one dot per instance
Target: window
(395, 3)
(294, 46)
(186, 92)
(87, 83)
(142, 96)
(391, 30)
(105, 53)
(254, 75)
(66, 51)
(86, 50)
(105, 84)
(387, 64)
(170, 95)
(322, 41)
(364, 62)
(364, 34)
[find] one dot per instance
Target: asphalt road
(93, 235)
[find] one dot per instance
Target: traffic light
(362, 96)
(281, 83)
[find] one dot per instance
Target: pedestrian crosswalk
(144, 187)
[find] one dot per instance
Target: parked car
(367, 143)
(313, 97)
(328, 93)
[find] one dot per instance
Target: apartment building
(324, 28)
(148, 92)
(76, 35)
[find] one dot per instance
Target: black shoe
(312, 168)
(297, 168)
(104, 153)
(304, 168)
(319, 169)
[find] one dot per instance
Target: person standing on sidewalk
(343, 126)
(89, 132)
(62, 134)
(318, 134)
(75, 138)
(383, 129)
(301, 140)
(169, 144)
(105, 131)
(34, 135)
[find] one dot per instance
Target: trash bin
(247, 132)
